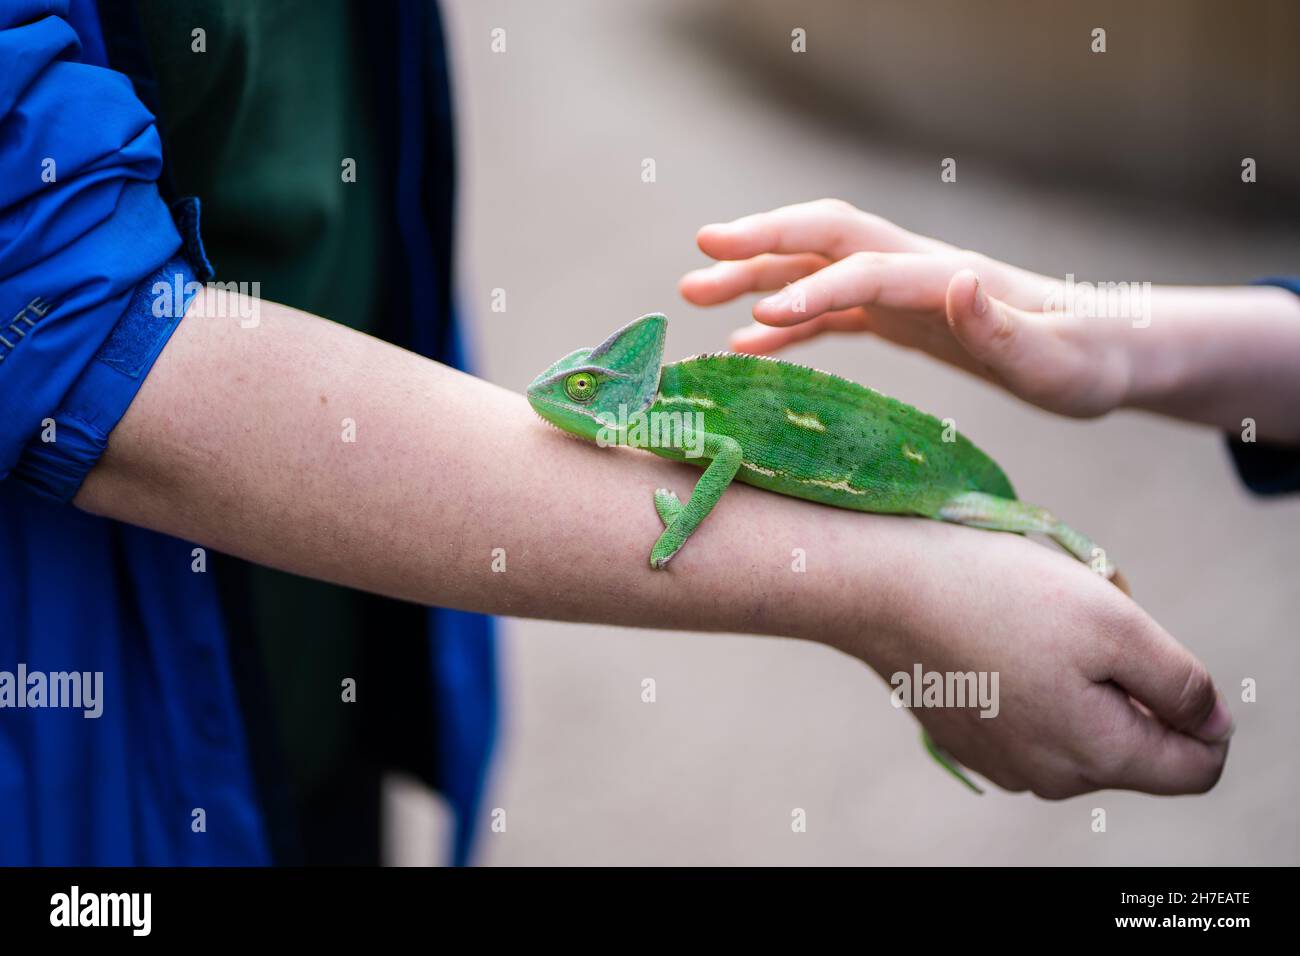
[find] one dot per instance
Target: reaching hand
(834, 268)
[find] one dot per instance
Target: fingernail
(776, 301)
(981, 303)
(1218, 726)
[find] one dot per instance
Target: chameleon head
(591, 388)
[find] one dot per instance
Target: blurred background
(1117, 166)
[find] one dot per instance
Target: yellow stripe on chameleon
(810, 422)
(687, 400)
(840, 485)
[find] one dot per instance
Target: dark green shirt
(258, 126)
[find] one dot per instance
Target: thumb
(1018, 351)
(989, 330)
(1173, 684)
(1180, 724)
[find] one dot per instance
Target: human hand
(834, 268)
(1092, 693)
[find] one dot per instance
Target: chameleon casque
(785, 428)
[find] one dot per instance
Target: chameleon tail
(1082, 547)
(945, 760)
(979, 510)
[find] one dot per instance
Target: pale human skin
(1209, 355)
(235, 442)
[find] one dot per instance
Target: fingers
(1166, 761)
(909, 281)
(990, 330)
(757, 339)
(723, 281)
(1166, 728)
(1169, 762)
(1008, 342)
(1048, 361)
(829, 227)
(1170, 681)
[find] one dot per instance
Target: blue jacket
(84, 236)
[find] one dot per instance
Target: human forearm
(236, 442)
(1218, 356)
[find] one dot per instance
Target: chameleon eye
(580, 386)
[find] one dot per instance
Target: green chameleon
(789, 429)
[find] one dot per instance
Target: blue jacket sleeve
(1264, 468)
(88, 250)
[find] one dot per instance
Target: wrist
(868, 607)
(1155, 350)
(1217, 356)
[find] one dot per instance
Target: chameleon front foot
(663, 551)
(681, 520)
(668, 505)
